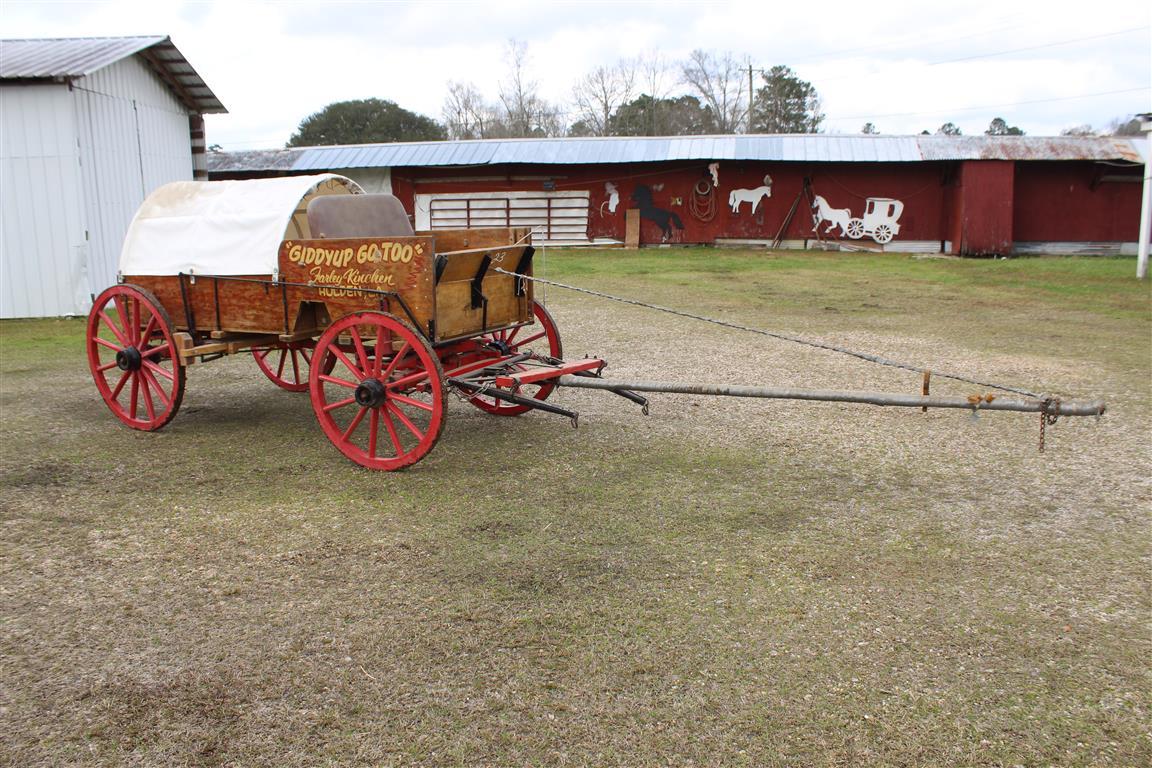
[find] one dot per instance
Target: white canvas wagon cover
(222, 227)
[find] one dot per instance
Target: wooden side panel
(344, 273)
(220, 304)
(455, 314)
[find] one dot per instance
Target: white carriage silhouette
(880, 220)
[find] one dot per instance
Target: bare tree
(600, 93)
(719, 82)
(468, 116)
(526, 114)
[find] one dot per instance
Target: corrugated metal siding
(134, 135)
(42, 248)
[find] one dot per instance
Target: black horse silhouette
(648, 210)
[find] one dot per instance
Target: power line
(1038, 47)
(988, 106)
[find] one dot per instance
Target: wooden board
(632, 228)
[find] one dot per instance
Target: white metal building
(88, 128)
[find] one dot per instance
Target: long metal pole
(1053, 407)
(1146, 204)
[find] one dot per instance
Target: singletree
(364, 121)
(999, 127)
(786, 104)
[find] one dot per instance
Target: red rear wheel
(377, 390)
(543, 338)
(286, 364)
(133, 359)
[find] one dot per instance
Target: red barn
(966, 195)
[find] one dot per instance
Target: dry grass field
(721, 583)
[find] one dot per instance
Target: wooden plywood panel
(632, 228)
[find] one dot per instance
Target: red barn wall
(982, 208)
(1074, 202)
(923, 187)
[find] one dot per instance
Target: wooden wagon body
(334, 294)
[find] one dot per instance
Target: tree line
(707, 93)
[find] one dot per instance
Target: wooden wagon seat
(358, 216)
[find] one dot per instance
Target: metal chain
(782, 336)
(1048, 417)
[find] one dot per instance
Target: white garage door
(555, 217)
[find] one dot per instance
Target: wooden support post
(632, 228)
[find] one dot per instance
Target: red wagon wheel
(378, 390)
(133, 357)
(286, 364)
(513, 341)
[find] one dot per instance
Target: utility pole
(751, 97)
(1146, 203)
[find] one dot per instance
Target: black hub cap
(370, 393)
(128, 359)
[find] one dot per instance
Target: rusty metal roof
(66, 59)
(821, 148)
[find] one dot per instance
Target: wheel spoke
(344, 359)
(135, 396)
(338, 382)
(112, 327)
(147, 332)
(151, 366)
(387, 373)
(146, 391)
(295, 367)
(509, 336)
(153, 351)
(120, 384)
(262, 354)
(355, 423)
(531, 339)
(391, 427)
(409, 380)
(103, 368)
(134, 304)
(412, 402)
(405, 420)
(280, 365)
(148, 377)
(373, 431)
(361, 355)
(339, 404)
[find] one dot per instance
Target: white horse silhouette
(754, 196)
(836, 217)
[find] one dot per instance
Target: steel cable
(782, 336)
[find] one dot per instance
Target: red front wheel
(133, 359)
(377, 390)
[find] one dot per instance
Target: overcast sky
(904, 66)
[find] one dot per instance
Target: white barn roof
(66, 59)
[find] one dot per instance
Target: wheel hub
(370, 393)
(128, 359)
